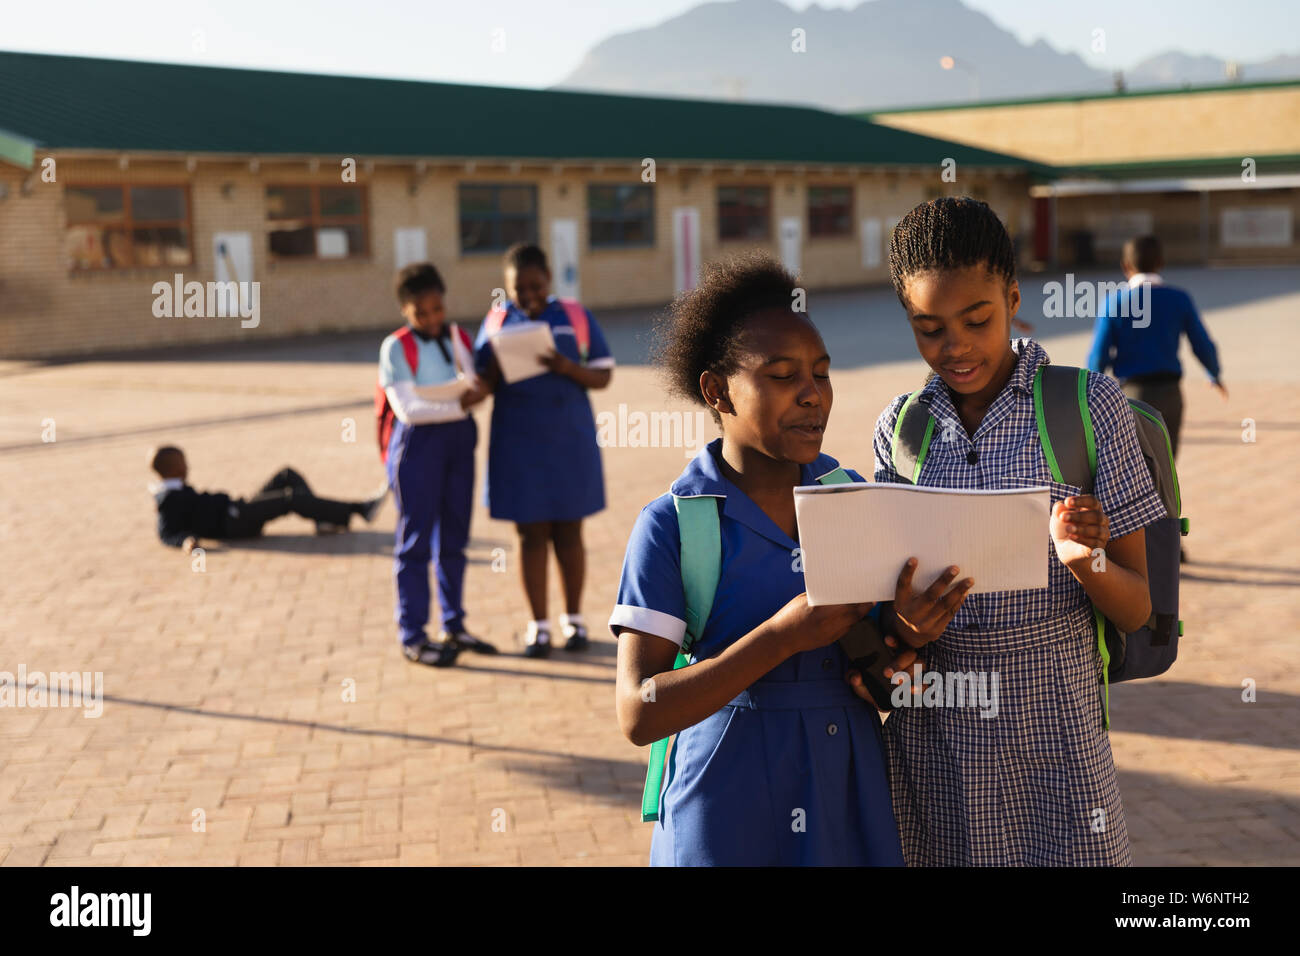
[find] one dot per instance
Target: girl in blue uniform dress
(777, 761)
(1036, 785)
(544, 470)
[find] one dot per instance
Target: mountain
(877, 55)
(1179, 69)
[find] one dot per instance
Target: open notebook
(519, 346)
(465, 375)
(854, 538)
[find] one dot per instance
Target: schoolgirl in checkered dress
(1034, 785)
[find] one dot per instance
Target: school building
(116, 177)
(1213, 171)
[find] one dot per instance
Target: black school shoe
(468, 642)
(430, 654)
(370, 508)
(577, 641)
(538, 648)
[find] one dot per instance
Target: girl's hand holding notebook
(1079, 527)
(921, 617)
(809, 628)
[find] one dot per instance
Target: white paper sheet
(854, 538)
(518, 348)
(443, 391)
(463, 358)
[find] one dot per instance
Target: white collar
(167, 484)
(1152, 277)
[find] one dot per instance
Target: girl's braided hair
(949, 233)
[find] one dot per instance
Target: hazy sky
(545, 39)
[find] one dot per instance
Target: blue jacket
(1148, 344)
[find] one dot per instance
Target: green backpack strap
(1065, 424)
(837, 477)
(701, 550)
(1070, 447)
(913, 430)
(701, 537)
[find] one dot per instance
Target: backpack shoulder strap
(837, 477)
(494, 320)
(701, 537)
(581, 327)
(409, 348)
(913, 430)
(701, 549)
(1065, 424)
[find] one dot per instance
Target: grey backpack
(1066, 434)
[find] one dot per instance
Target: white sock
(539, 632)
(569, 623)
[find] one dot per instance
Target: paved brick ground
(224, 689)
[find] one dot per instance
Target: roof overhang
(1093, 187)
(517, 163)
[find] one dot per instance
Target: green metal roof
(1210, 166)
(1083, 97)
(73, 102)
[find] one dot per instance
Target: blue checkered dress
(1023, 788)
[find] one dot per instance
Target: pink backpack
(383, 411)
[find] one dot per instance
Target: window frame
(848, 232)
(495, 217)
(317, 221)
(766, 189)
(127, 223)
(649, 219)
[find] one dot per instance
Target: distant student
(776, 762)
(1035, 785)
(430, 460)
(544, 470)
(1144, 349)
(186, 516)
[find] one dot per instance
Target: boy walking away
(427, 440)
(185, 515)
(1138, 333)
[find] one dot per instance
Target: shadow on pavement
(1191, 711)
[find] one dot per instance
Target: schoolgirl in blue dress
(544, 470)
(777, 761)
(1035, 785)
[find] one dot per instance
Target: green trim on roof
(17, 150)
(1210, 166)
(115, 105)
(1082, 97)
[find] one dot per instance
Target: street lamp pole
(951, 62)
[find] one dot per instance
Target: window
(316, 222)
(830, 211)
(744, 212)
(621, 215)
(119, 227)
(493, 218)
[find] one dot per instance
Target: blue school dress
(791, 772)
(1035, 784)
(543, 461)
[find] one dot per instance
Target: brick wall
(1128, 129)
(48, 309)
